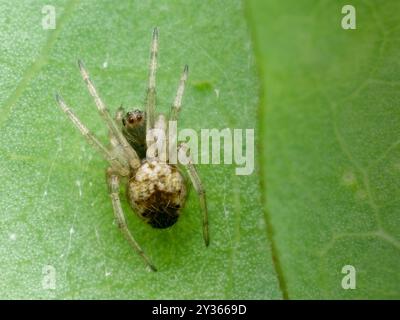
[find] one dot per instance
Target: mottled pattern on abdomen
(157, 192)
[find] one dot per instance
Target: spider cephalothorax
(156, 189)
(134, 128)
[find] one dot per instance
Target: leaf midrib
(261, 158)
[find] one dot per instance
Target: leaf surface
(330, 144)
(56, 216)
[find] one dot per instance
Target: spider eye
(134, 117)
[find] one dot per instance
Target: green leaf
(330, 142)
(56, 216)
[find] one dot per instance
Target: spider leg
(118, 120)
(119, 115)
(176, 107)
(195, 179)
(91, 138)
(161, 138)
(113, 128)
(151, 89)
(156, 140)
(113, 182)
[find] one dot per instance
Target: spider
(156, 189)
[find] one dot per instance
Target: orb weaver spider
(156, 189)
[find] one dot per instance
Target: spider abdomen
(157, 192)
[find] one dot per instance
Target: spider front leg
(113, 182)
(119, 115)
(119, 164)
(129, 152)
(151, 88)
(195, 179)
(176, 107)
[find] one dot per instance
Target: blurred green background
(324, 194)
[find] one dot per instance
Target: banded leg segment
(161, 139)
(113, 182)
(195, 179)
(176, 107)
(122, 168)
(151, 89)
(113, 128)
